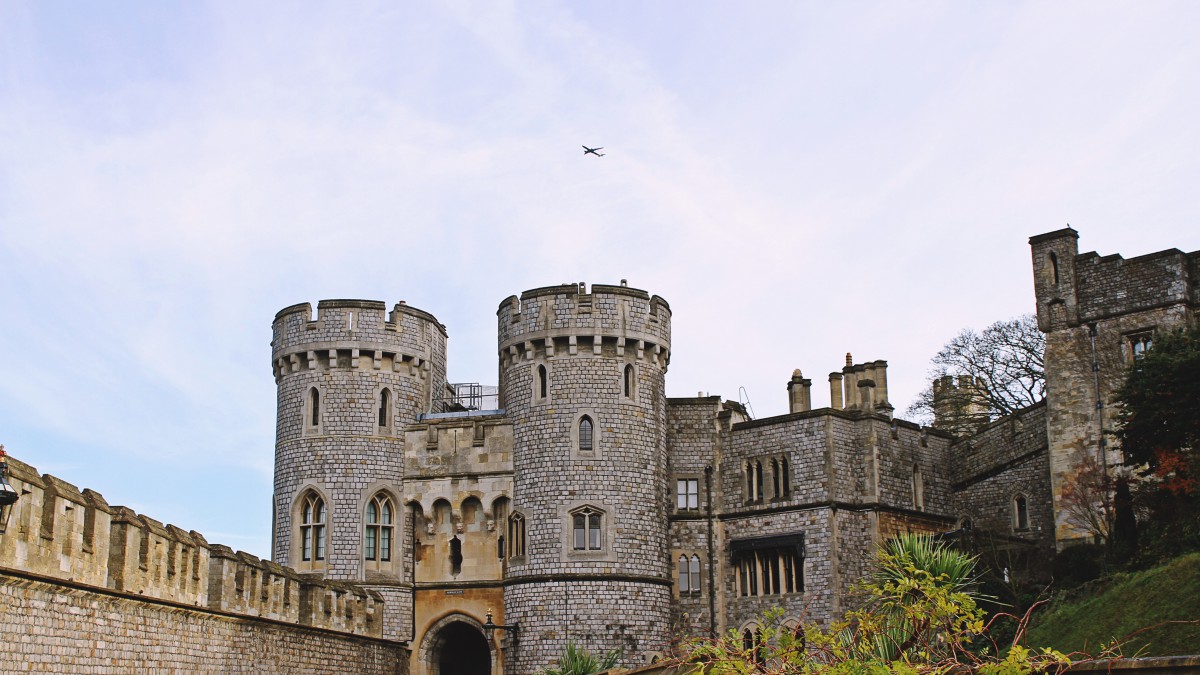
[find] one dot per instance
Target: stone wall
(1007, 459)
(56, 627)
(93, 585)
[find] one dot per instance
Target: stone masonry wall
(1006, 459)
(57, 628)
(88, 585)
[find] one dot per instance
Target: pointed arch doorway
(456, 646)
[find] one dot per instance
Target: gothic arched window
(585, 529)
(312, 528)
(379, 533)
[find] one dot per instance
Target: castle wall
(1007, 459)
(54, 627)
(88, 585)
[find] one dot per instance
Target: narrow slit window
(628, 381)
(314, 404)
(543, 382)
(1054, 268)
(585, 434)
(385, 397)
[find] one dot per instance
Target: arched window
(385, 407)
(377, 542)
(628, 381)
(585, 434)
(918, 488)
(749, 481)
(775, 478)
(785, 477)
(543, 382)
(1054, 268)
(1020, 513)
(516, 536)
(689, 574)
(585, 529)
(758, 481)
(314, 406)
(312, 528)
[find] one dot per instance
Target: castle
(429, 527)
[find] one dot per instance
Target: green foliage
(920, 615)
(1078, 564)
(1133, 608)
(1159, 432)
(579, 661)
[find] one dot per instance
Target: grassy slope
(1128, 603)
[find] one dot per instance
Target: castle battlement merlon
(364, 323)
(355, 334)
(58, 531)
(556, 321)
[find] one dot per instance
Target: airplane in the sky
(587, 150)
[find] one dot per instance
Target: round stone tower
(348, 382)
(582, 378)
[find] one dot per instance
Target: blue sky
(798, 180)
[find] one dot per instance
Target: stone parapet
(57, 531)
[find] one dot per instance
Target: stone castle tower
(1099, 313)
(582, 378)
(349, 382)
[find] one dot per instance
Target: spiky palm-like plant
(579, 661)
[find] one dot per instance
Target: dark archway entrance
(462, 650)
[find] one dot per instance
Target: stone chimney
(835, 391)
(799, 393)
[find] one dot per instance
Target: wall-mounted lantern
(489, 628)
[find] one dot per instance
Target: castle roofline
(1067, 231)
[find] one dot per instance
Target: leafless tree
(992, 373)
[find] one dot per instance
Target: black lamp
(489, 628)
(8, 496)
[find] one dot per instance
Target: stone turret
(348, 383)
(582, 377)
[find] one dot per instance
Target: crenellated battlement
(61, 532)
(566, 320)
(355, 334)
